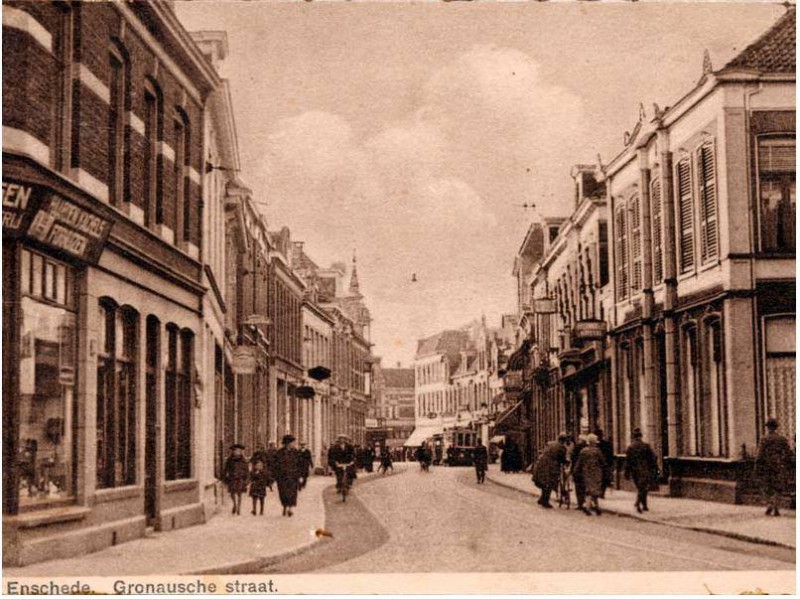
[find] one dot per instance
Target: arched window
(153, 134)
(178, 404)
(116, 394)
(690, 385)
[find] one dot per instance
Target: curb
(713, 531)
(260, 563)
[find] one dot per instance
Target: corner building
(102, 278)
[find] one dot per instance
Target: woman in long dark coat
(287, 470)
(591, 466)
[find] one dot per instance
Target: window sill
(116, 493)
(184, 484)
(47, 516)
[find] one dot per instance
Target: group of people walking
(288, 466)
(590, 464)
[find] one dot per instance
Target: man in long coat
(481, 461)
(591, 467)
(287, 466)
(641, 466)
(607, 449)
(306, 464)
(547, 470)
(773, 466)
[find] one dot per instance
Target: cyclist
(342, 458)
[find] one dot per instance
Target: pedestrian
(577, 477)
(326, 469)
(272, 449)
(287, 471)
(641, 466)
(511, 458)
(386, 461)
(591, 466)
(342, 458)
(547, 470)
(607, 449)
(236, 475)
(481, 460)
(258, 486)
(369, 459)
(427, 457)
(773, 466)
(419, 455)
(306, 464)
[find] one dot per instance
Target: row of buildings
(152, 317)
(666, 300)
(458, 384)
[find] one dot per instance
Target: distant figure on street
(386, 461)
(326, 469)
(258, 486)
(547, 470)
(287, 470)
(236, 475)
(577, 477)
(511, 458)
(342, 459)
(262, 455)
(424, 456)
(773, 466)
(306, 464)
(641, 466)
(272, 449)
(481, 461)
(607, 449)
(369, 459)
(591, 467)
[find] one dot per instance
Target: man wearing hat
(342, 457)
(641, 466)
(287, 471)
(773, 465)
(236, 474)
(547, 470)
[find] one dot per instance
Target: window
(117, 155)
(153, 134)
(776, 192)
(707, 187)
(780, 376)
(691, 378)
(116, 395)
(657, 231)
(685, 215)
(636, 243)
(178, 429)
(44, 462)
(621, 232)
(715, 409)
(181, 175)
(603, 253)
(63, 118)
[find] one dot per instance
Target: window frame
(785, 179)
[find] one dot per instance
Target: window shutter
(655, 211)
(622, 254)
(708, 202)
(636, 244)
(776, 155)
(686, 216)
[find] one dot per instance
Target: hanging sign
(244, 360)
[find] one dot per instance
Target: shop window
(714, 409)
(178, 429)
(47, 366)
(657, 231)
(776, 191)
(685, 215)
(780, 376)
(116, 395)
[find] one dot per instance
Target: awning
(509, 412)
(421, 434)
(497, 439)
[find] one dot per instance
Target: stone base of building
(59, 533)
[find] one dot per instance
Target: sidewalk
(226, 544)
(743, 522)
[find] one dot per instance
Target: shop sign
(35, 212)
(590, 330)
(544, 305)
(513, 381)
(244, 360)
(20, 203)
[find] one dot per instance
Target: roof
(398, 377)
(773, 52)
(445, 342)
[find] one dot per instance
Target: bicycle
(564, 489)
(346, 480)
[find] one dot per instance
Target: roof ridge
(788, 18)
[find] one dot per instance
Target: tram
(460, 444)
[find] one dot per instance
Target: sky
(412, 133)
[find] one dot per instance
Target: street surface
(443, 522)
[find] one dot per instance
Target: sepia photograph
(399, 297)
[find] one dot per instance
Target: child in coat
(259, 480)
(236, 475)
